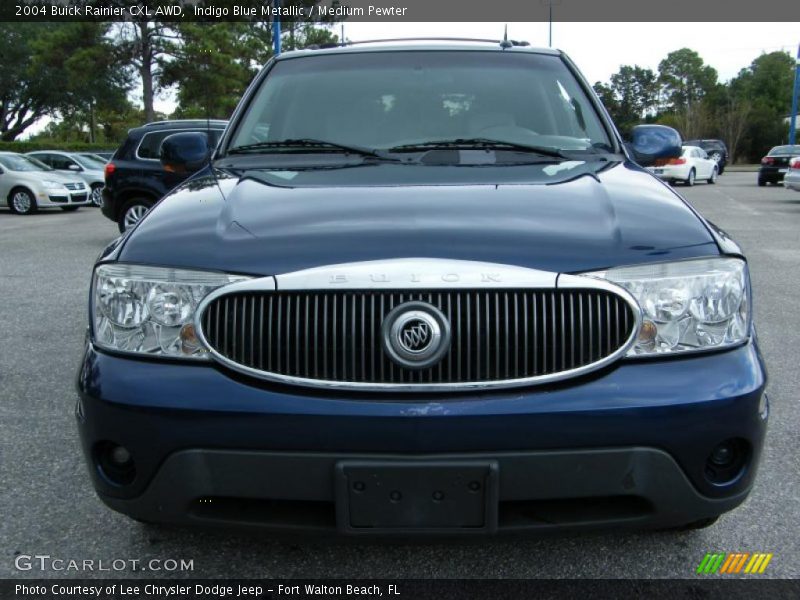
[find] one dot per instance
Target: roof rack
(501, 43)
(169, 121)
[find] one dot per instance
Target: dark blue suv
(422, 289)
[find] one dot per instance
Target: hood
(272, 223)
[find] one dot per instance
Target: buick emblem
(416, 335)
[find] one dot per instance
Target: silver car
(27, 185)
(90, 170)
(792, 178)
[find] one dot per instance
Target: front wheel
(22, 202)
(70, 208)
(762, 182)
(690, 179)
(96, 195)
(713, 178)
(132, 212)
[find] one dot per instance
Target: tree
(90, 78)
(685, 80)
(766, 87)
(26, 94)
(209, 65)
(631, 95)
(143, 44)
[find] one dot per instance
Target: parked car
(88, 169)
(26, 185)
(134, 177)
(716, 150)
(775, 164)
(792, 178)
(691, 165)
(449, 300)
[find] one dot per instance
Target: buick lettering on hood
(422, 288)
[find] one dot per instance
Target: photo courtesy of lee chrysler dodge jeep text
(446, 300)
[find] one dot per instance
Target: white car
(693, 164)
(91, 170)
(27, 185)
(792, 178)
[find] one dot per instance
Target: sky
(598, 49)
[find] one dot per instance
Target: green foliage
(26, 93)
(209, 65)
(747, 113)
(41, 144)
(630, 97)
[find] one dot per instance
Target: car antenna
(505, 43)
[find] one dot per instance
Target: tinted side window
(60, 162)
(45, 158)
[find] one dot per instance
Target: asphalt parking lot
(47, 506)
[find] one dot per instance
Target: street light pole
(793, 115)
(276, 28)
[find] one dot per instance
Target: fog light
(722, 455)
(727, 461)
(120, 455)
(114, 463)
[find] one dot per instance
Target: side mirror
(185, 153)
(73, 167)
(651, 142)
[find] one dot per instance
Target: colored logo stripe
(733, 562)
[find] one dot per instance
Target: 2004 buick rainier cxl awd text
(422, 288)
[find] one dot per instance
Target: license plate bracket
(415, 497)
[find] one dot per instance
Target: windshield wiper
(479, 144)
(305, 144)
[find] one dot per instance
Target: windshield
(387, 100)
(18, 162)
(93, 164)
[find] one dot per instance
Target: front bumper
(624, 446)
(76, 198)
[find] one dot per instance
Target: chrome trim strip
(430, 271)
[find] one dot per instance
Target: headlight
(52, 185)
(688, 305)
(149, 310)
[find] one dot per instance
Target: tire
(70, 208)
(132, 212)
(21, 201)
(690, 179)
(713, 179)
(96, 194)
(762, 182)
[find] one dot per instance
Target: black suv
(135, 179)
(716, 150)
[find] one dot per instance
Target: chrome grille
(497, 334)
(73, 186)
